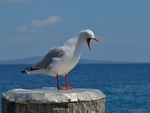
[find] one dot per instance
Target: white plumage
(60, 60)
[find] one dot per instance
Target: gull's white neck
(76, 44)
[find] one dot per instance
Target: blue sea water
(126, 86)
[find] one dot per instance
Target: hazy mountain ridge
(33, 60)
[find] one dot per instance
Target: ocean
(126, 86)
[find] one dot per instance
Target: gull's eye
(87, 34)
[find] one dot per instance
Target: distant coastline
(33, 60)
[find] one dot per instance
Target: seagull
(60, 60)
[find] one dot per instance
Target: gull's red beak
(89, 40)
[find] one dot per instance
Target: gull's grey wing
(55, 52)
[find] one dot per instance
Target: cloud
(14, 1)
(24, 38)
(47, 22)
(37, 24)
(21, 29)
(120, 40)
(21, 1)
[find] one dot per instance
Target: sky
(31, 28)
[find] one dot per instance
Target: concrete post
(51, 100)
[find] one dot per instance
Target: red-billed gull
(60, 60)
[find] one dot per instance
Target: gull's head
(88, 35)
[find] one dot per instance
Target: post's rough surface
(51, 100)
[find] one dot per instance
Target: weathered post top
(51, 100)
(46, 95)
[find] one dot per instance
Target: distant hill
(33, 60)
(30, 60)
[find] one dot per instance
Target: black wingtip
(28, 69)
(22, 72)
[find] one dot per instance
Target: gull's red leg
(67, 86)
(67, 80)
(58, 84)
